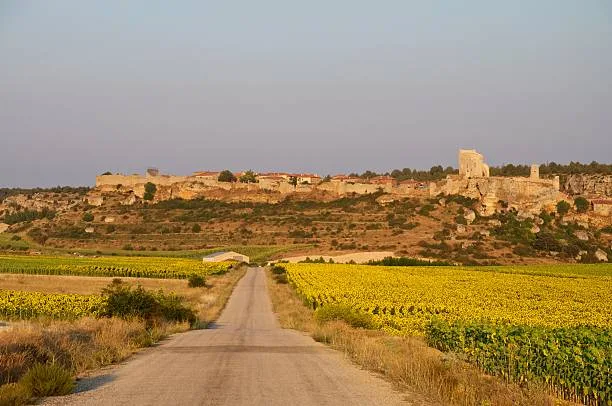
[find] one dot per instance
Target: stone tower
(535, 171)
(471, 164)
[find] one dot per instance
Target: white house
(226, 256)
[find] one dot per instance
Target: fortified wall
(530, 194)
(527, 194)
(203, 184)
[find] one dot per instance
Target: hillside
(448, 227)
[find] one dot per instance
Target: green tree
(150, 190)
(88, 217)
(196, 228)
(226, 176)
(293, 180)
(582, 204)
(563, 208)
(248, 177)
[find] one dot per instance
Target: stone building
(472, 165)
(529, 194)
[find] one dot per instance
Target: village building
(223, 256)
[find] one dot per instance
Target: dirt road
(246, 359)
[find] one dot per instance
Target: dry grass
(78, 346)
(90, 343)
(406, 361)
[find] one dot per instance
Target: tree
(106, 173)
(226, 176)
(150, 190)
(248, 177)
(293, 180)
(196, 228)
(563, 207)
(88, 217)
(582, 204)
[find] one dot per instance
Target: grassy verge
(41, 357)
(406, 361)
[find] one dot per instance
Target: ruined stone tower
(471, 164)
(535, 171)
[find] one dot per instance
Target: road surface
(245, 359)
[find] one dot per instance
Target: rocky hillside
(588, 185)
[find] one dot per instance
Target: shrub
(123, 301)
(582, 204)
(150, 190)
(278, 270)
(14, 394)
(196, 281)
(248, 177)
(28, 215)
(48, 380)
(346, 313)
(563, 207)
(279, 273)
(546, 242)
(88, 217)
(196, 228)
(226, 176)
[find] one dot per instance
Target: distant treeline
(438, 172)
(553, 169)
(6, 192)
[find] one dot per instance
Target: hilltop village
(530, 194)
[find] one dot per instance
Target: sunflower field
(116, 266)
(545, 323)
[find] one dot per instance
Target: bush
(196, 228)
(546, 242)
(14, 394)
(88, 217)
(28, 215)
(48, 380)
(278, 270)
(196, 281)
(563, 208)
(582, 204)
(346, 313)
(226, 176)
(123, 301)
(279, 273)
(150, 190)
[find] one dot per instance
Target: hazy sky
(323, 86)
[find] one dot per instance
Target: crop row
(576, 362)
(149, 267)
(25, 305)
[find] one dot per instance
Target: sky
(312, 86)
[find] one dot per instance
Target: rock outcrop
(588, 185)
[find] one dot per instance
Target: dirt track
(246, 359)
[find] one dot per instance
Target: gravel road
(246, 359)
